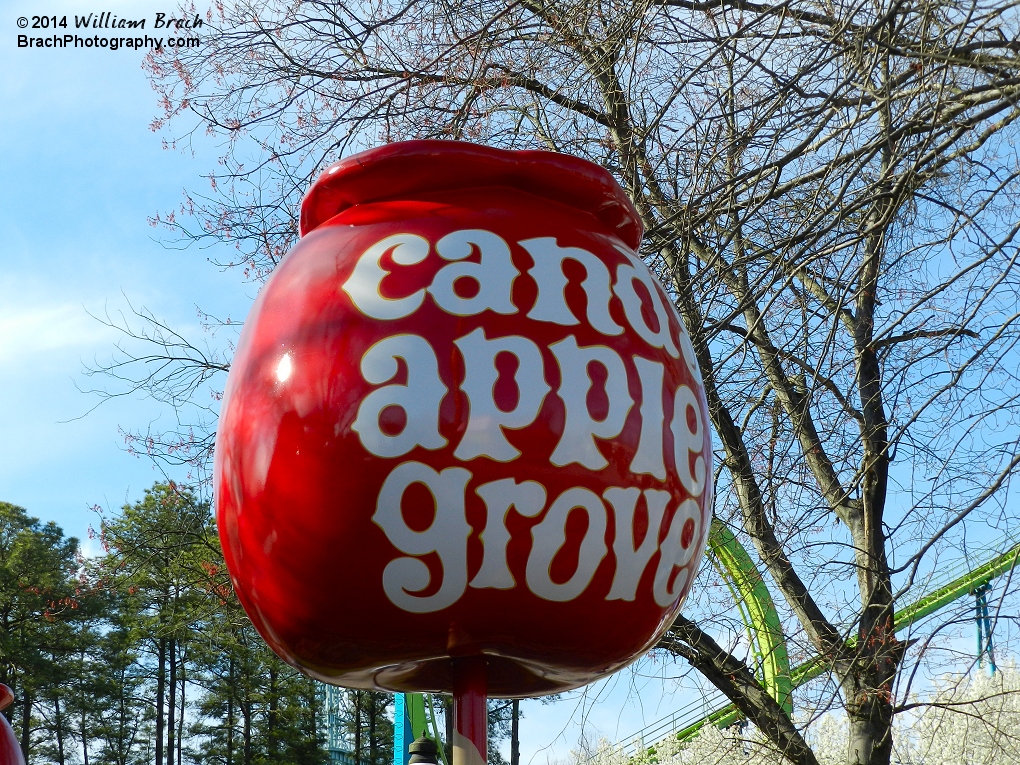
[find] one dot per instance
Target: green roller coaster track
(762, 623)
(757, 611)
(765, 633)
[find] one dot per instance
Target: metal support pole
(988, 642)
(983, 622)
(402, 736)
(470, 718)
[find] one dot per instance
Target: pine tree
(155, 549)
(38, 602)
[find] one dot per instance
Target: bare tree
(828, 191)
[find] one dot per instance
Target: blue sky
(81, 174)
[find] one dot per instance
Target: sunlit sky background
(81, 173)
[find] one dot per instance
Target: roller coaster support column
(984, 626)
(414, 716)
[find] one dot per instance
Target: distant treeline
(143, 654)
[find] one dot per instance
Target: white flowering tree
(972, 719)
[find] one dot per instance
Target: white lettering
(551, 534)
(446, 536)
(637, 271)
(528, 499)
(648, 459)
(484, 436)
(685, 526)
(577, 442)
(419, 398)
(494, 275)
(364, 283)
(686, 348)
(687, 441)
(551, 304)
(631, 558)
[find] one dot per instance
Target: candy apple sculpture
(463, 445)
(10, 752)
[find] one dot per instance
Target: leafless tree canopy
(829, 192)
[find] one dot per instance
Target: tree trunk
(271, 721)
(160, 690)
(26, 724)
(515, 743)
(59, 729)
(246, 711)
(869, 697)
(84, 735)
(870, 739)
(313, 714)
(171, 707)
(373, 711)
(180, 719)
(357, 727)
(123, 743)
(230, 713)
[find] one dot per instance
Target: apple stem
(470, 717)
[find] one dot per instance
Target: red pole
(470, 716)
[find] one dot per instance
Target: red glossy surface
(10, 751)
(508, 352)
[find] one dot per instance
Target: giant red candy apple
(10, 751)
(463, 419)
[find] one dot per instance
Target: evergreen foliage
(143, 655)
